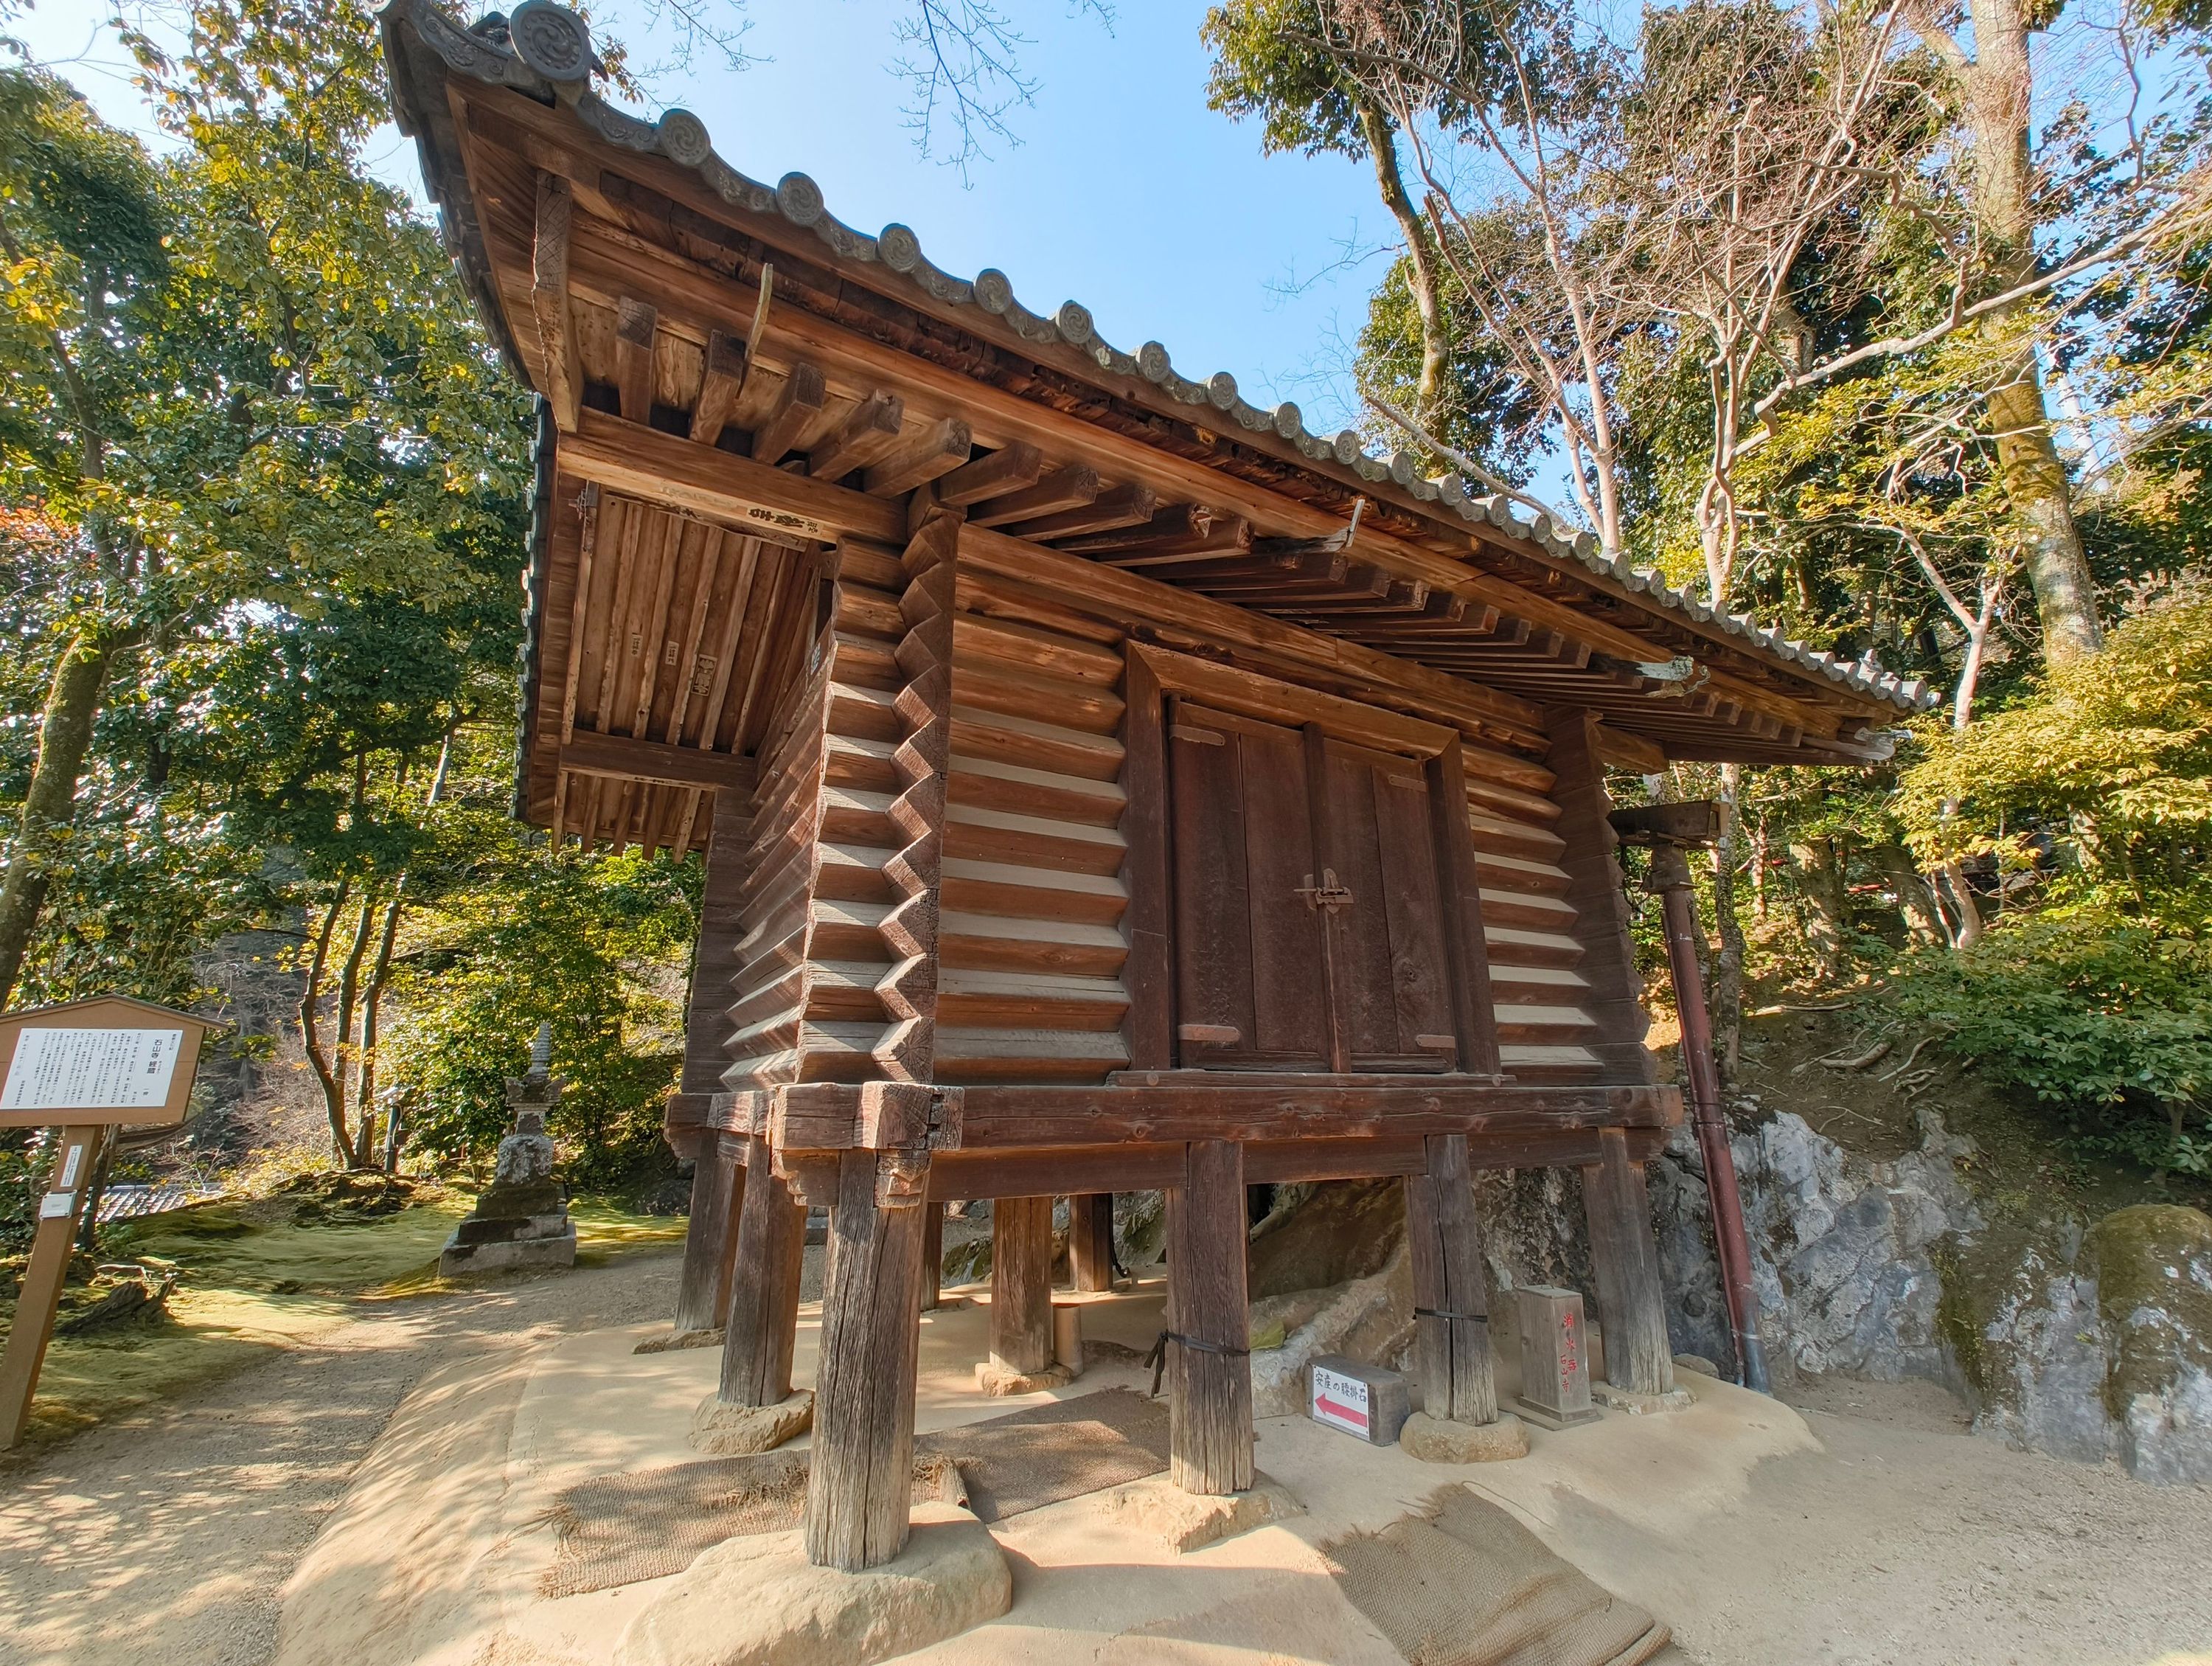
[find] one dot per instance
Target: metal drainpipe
(1670, 880)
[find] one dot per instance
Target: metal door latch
(1328, 894)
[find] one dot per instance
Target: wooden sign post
(85, 1067)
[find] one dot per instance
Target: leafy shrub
(2105, 1018)
(593, 944)
(2107, 768)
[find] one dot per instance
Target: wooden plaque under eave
(116, 1016)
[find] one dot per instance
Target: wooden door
(1309, 928)
(1248, 974)
(1394, 982)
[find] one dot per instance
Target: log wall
(1033, 943)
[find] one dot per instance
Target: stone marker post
(522, 1218)
(1555, 1385)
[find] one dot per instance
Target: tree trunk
(334, 1087)
(1821, 884)
(1923, 922)
(311, 1030)
(72, 702)
(364, 1093)
(1998, 83)
(87, 1231)
(1382, 147)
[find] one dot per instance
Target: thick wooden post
(763, 1317)
(933, 1256)
(1091, 1241)
(1021, 1284)
(1631, 1307)
(1451, 1304)
(718, 1176)
(861, 1481)
(39, 1294)
(1209, 1358)
(710, 1242)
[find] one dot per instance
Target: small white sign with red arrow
(1341, 1403)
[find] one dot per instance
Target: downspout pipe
(1670, 881)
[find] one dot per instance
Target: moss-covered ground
(256, 1275)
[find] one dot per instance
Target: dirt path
(164, 1539)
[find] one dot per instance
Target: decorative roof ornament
(553, 41)
(683, 137)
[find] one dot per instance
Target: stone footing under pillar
(757, 1601)
(728, 1430)
(995, 1376)
(1441, 1440)
(1641, 1405)
(1185, 1522)
(675, 1342)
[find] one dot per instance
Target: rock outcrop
(1844, 1248)
(2092, 1343)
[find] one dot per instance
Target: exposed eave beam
(590, 754)
(682, 474)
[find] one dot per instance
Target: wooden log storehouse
(1104, 784)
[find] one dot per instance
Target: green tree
(593, 944)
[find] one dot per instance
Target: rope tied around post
(1446, 1313)
(1157, 1358)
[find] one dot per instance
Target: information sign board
(1341, 1403)
(91, 1069)
(86, 1068)
(113, 1060)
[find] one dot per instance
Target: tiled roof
(545, 49)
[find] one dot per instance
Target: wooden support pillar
(1209, 1358)
(1631, 1308)
(710, 1242)
(763, 1319)
(1091, 1241)
(1021, 1284)
(718, 1175)
(861, 1479)
(1451, 1302)
(39, 1293)
(933, 1256)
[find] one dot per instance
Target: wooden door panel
(1399, 983)
(1214, 935)
(1420, 969)
(1290, 1012)
(1363, 930)
(1262, 814)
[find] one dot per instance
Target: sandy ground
(1860, 1526)
(164, 1539)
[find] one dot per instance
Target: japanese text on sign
(91, 1069)
(1339, 1401)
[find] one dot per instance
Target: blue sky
(1125, 193)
